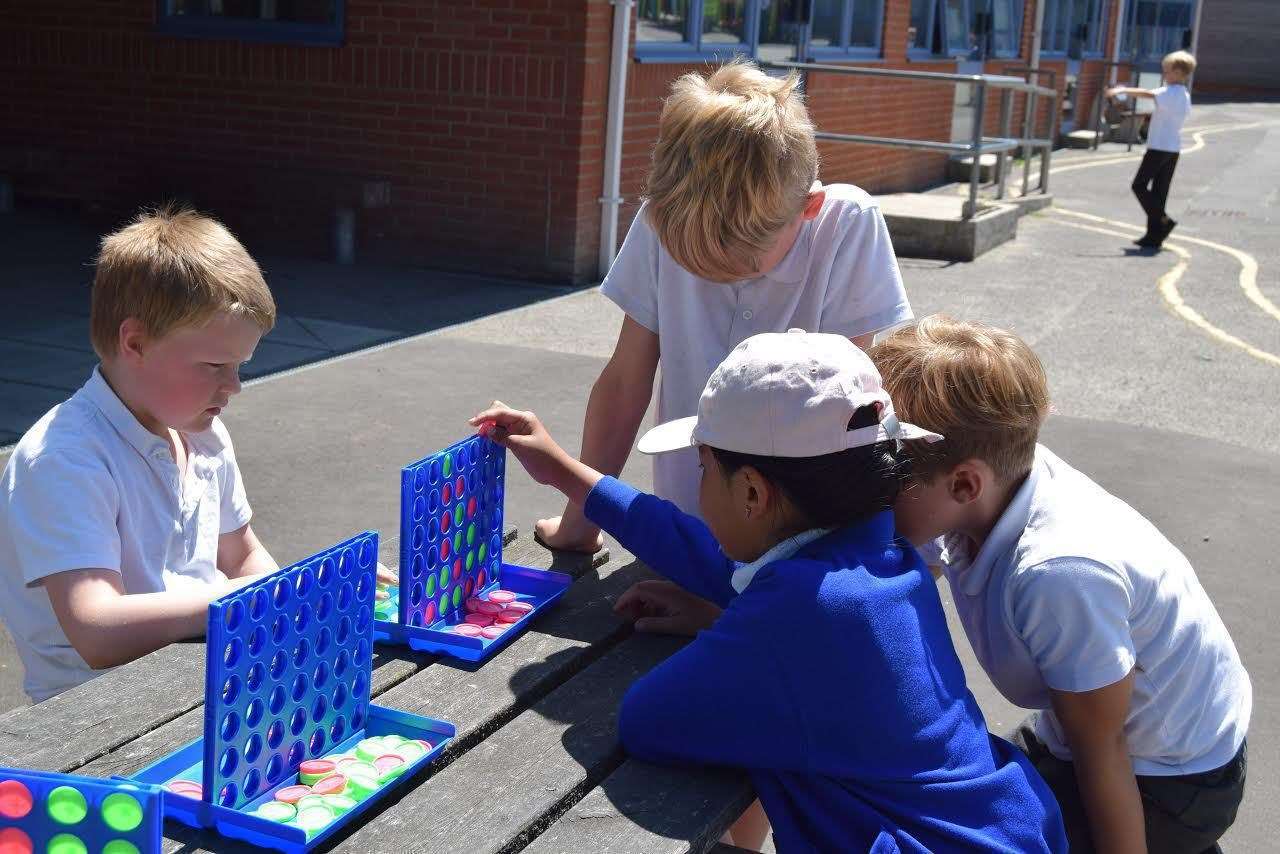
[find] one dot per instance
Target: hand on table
(663, 607)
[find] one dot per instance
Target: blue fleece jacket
(832, 679)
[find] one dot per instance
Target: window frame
(938, 18)
(693, 49)
(1101, 19)
(249, 30)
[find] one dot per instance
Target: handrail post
(1028, 132)
(975, 148)
(1052, 139)
(1006, 121)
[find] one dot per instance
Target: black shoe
(1147, 241)
(1169, 226)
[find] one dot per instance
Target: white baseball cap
(787, 394)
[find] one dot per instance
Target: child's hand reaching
(545, 461)
(665, 608)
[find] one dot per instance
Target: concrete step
(932, 225)
(1080, 138)
(1030, 203)
(958, 168)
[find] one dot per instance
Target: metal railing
(979, 144)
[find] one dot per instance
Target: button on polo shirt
(88, 487)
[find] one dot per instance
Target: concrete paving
(1181, 424)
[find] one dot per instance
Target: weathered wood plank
(80, 725)
(650, 808)
(496, 796)
(584, 608)
(479, 702)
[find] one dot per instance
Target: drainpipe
(1115, 43)
(1195, 39)
(1035, 38)
(611, 198)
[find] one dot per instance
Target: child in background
(122, 510)
(737, 237)
(1164, 141)
(830, 676)
(1074, 604)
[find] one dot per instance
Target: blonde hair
(173, 267)
(1180, 61)
(979, 386)
(733, 165)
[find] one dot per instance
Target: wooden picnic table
(535, 767)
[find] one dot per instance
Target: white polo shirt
(841, 276)
(88, 487)
(1072, 590)
(1173, 106)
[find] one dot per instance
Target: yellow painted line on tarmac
(1197, 135)
(1167, 285)
(1248, 278)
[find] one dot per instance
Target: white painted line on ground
(1197, 135)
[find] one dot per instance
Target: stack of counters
(277, 811)
(186, 788)
(339, 804)
(480, 606)
(314, 818)
(467, 630)
(479, 619)
(495, 631)
(509, 617)
(314, 770)
(520, 608)
(389, 767)
(334, 784)
(293, 794)
(502, 597)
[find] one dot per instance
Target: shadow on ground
(325, 310)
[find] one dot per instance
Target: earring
(748, 512)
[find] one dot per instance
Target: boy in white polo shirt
(122, 511)
(736, 238)
(1164, 141)
(1073, 603)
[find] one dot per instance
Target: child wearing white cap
(830, 676)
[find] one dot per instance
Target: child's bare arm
(241, 554)
(108, 627)
(1130, 90)
(618, 402)
(1093, 722)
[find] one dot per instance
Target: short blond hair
(173, 267)
(733, 165)
(981, 387)
(1180, 61)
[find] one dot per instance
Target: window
(1075, 28)
(297, 21)
(770, 30)
(1156, 27)
(970, 29)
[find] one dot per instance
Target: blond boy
(122, 511)
(1155, 173)
(737, 237)
(1074, 604)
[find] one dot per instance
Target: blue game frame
(288, 677)
(451, 550)
(250, 30)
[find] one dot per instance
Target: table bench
(535, 766)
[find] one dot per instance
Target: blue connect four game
(65, 814)
(293, 750)
(456, 597)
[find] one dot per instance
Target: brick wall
(485, 117)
